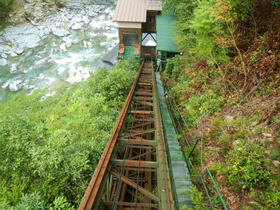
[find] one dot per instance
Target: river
(64, 47)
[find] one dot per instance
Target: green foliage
(204, 28)
(29, 202)
(241, 9)
(271, 198)
(173, 67)
(227, 131)
(201, 104)
(5, 7)
(53, 145)
(275, 3)
(181, 8)
(60, 203)
(208, 30)
(113, 87)
(254, 57)
(248, 166)
(197, 199)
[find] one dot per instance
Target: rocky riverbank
(47, 44)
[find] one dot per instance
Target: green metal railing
(179, 120)
(202, 178)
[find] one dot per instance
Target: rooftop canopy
(135, 10)
(165, 33)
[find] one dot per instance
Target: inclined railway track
(133, 170)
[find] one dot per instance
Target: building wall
(129, 25)
(150, 24)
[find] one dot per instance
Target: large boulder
(3, 62)
(61, 32)
(23, 36)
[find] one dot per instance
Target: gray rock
(4, 48)
(69, 16)
(85, 44)
(276, 163)
(213, 149)
(91, 13)
(29, 1)
(59, 32)
(86, 20)
(229, 118)
(5, 85)
(3, 62)
(13, 69)
(236, 142)
(41, 33)
(3, 55)
(89, 44)
(77, 26)
(68, 43)
(15, 85)
(47, 31)
(13, 54)
(63, 47)
(19, 51)
(266, 134)
(24, 36)
(30, 41)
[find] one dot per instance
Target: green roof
(165, 33)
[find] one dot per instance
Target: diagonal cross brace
(136, 186)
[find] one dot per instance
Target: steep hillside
(227, 85)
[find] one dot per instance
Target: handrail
(207, 171)
(177, 113)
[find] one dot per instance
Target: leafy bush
(201, 104)
(275, 3)
(248, 166)
(28, 202)
(52, 146)
(241, 9)
(61, 203)
(271, 198)
(198, 199)
(173, 67)
(5, 7)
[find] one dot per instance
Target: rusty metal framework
(133, 170)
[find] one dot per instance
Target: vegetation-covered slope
(49, 148)
(227, 85)
(5, 6)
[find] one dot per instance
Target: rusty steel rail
(133, 170)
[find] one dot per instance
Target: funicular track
(133, 170)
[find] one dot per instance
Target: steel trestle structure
(133, 171)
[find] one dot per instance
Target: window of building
(130, 38)
(149, 39)
(150, 19)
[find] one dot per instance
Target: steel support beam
(141, 112)
(134, 163)
(139, 142)
(131, 204)
(136, 186)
